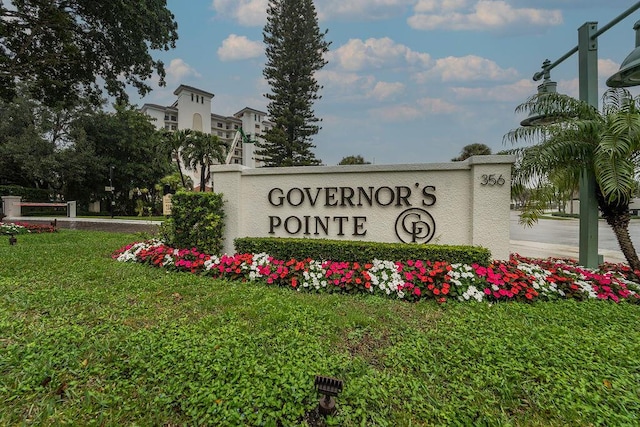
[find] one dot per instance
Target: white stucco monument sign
(457, 203)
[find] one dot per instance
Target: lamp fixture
(539, 118)
(330, 387)
(629, 73)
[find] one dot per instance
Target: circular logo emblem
(415, 225)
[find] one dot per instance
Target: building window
(219, 133)
(191, 97)
(174, 127)
(174, 118)
(237, 152)
(235, 127)
(166, 117)
(228, 136)
(257, 126)
(236, 161)
(166, 126)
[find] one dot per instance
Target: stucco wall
(468, 202)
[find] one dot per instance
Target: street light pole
(588, 92)
(587, 50)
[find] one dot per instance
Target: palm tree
(203, 150)
(606, 144)
(173, 142)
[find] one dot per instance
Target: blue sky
(408, 81)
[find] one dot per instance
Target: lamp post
(629, 75)
(113, 201)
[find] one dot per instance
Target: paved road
(559, 237)
(565, 232)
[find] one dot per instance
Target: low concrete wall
(458, 203)
(11, 207)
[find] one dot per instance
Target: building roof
(192, 89)
(252, 110)
(157, 107)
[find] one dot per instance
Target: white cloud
(515, 92)
(376, 53)
(361, 9)
(250, 13)
(342, 79)
(466, 68)
(607, 67)
(178, 70)
(483, 15)
(385, 90)
(397, 113)
(236, 48)
(405, 112)
(436, 106)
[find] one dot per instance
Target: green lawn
(85, 340)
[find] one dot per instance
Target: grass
(85, 340)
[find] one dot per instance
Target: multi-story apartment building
(192, 110)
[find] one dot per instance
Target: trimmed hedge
(28, 194)
(356, 251)
(197, 221)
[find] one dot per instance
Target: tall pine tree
(294, 49)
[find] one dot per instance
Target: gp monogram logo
(415, 225)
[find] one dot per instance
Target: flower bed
(24, 228)
(518, 279)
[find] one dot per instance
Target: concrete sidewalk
(546, 250)
(94, 224)
(522, 247)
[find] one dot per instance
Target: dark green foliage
(60, 48)
(197, 221)
(353, 251)
(475, 149)
(354, 160)
(26, 156)
(294, 49)
(28, 194)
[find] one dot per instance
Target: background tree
(125, 139)
(607, 143)
(354, 160)
(475, 149)
(294, 49)
(203, 150)
(172, 143)
(59, 48)
(26, 156)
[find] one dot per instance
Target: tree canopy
(294, 49)
(354, 160)
(64, 50)
(475, 149)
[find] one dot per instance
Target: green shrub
(197, 220)
(355, 251)
(28, 194)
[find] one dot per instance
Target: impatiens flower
(518, 279)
